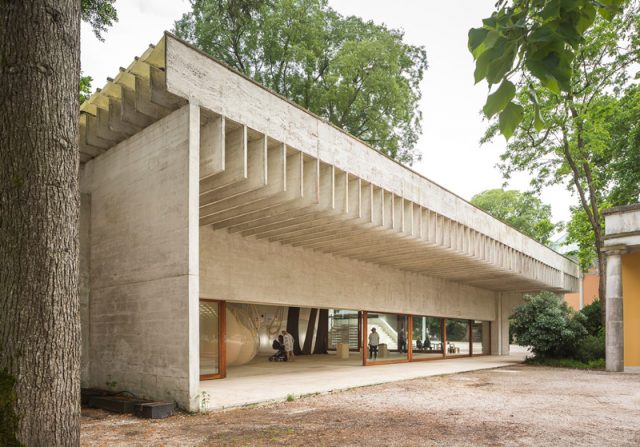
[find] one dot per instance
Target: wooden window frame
(457, 356)
(222, 336)
(444, 341)
(488, 353)
(365, 345)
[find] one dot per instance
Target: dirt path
(515, 406)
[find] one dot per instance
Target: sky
(451, 103)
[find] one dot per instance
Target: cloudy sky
(451, 154)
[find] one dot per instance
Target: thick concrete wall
(142, 315)
(505, 305)
(234, 268)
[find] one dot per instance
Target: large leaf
(509, 119)
(476, 37)
(498, 100)
(500, 66)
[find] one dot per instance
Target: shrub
(593, 324)
(546, 324)
(590, 348)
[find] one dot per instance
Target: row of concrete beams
(134, 99)
(338, 212)
(259, 187)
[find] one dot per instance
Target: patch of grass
(566, 363)
(291, 397)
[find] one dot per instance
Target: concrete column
(614, 316)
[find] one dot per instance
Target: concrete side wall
(234, 268)
(505, 305)
(143, 269)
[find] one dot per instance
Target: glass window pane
(481, 337)
(387, 338)
(343, 328)
(209, 337)
(457, 337)
(427, 337)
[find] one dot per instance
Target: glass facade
(427, 337)
(387, 337)
(481, 338)
(380, 337)
(457, 337)
(344, 327)
(209, 338)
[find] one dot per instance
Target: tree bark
(602, 283)
(39, 209)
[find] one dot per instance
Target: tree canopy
(576, 133)
(534, 41)
(100, 14)
(360, 76)
(522, 210)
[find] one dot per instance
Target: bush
(593, 324)
(590, 348)
(546, 324)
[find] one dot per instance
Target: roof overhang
(271, 170)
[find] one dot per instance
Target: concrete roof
(270, 169)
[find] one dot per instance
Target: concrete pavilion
(209, 204)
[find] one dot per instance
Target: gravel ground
(514, 406)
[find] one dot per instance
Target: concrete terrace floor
(261, 381)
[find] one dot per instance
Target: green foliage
(100, 14)
(591, 348)
(593, 323)
(457, 330)
(360, 76)
(291, 397)
(85, 88)
(546, 324)
(617, 165)
(580, 232)
(624, 147)
(8, 416)
(571, 135)
(205, 398)
(523, 211)
(533, 39)
(567, 363)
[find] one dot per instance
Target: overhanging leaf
(476, 37)
(509, 119)
(499, 99)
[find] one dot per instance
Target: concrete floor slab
(262, 381)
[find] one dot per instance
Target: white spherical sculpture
(242, 337)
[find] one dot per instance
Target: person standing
(288, 345)
(374, 341)
(402, 341)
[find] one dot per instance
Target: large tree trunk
(39, 208)
(602, 284)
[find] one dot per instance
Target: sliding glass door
(212, 349)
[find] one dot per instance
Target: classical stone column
(614, 317)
